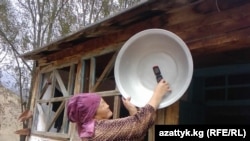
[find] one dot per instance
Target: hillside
(9, 111)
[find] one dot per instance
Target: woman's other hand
(129, 106)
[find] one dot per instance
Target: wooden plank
(172, 114)
(78, 86)
(213, 24)
(34, 96)
(53, 99)
(55, 65)
(225, 42)
(151, 134)
(48, 112)
(70, 88)
(117, 106)
(109, 93)
(65, 120)
(92, 73)
(64, 59)
(160, 116)
(62, 137)
(160, 120)
(79, 78)
(72, 77)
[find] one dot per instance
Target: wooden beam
(160, 116)
(172, 114)
(208, 6)
(225, 42)
(117, 107)
(79, 77)
(53, 99)
(92, 76)
(213, 24)
(151, 134)
(72, 77)
(52, 136)
(109, 93)
(35, 91)
(77, 88)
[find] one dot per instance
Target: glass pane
(241, 93)
(108, 82)
(215, 94)
(215, 81)
(64, 75)
(228, 114)
(41, 117)
(45, 92)
(86, 75)
(59, 118)
(239, 79)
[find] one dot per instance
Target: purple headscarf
(81, 109)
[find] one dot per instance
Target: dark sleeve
(128, 128)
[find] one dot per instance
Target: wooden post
(166, 116)
(172, 114)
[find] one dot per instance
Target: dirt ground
(10, 110)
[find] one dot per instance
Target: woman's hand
(129, 106)
(161, 89)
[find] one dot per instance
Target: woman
(92, 116)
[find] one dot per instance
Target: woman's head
(103, 111)
(84, 108)
(81, 109)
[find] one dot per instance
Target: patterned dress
(131, 128)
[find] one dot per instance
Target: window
(98, 73)
(98, 77)
(56, 87)
(229, 87)
(219, 95)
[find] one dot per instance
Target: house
(215, 31)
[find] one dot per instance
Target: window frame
(66, 90)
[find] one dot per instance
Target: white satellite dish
(134, 64)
